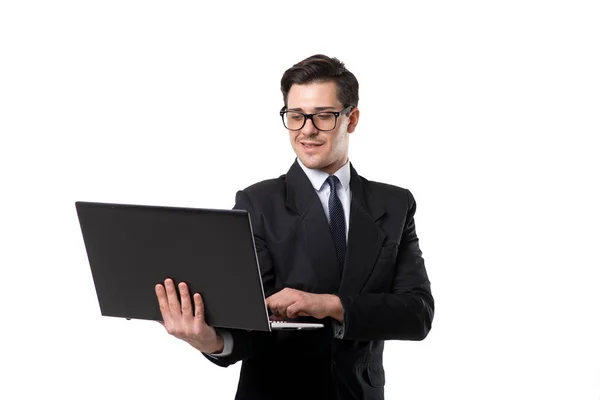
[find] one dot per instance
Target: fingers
(170, 307)
(298, 309)
(291, 303)
(181, 320)
(275, 306)
(174, 306)
(199, 304)
(281, 294)
(186, 304)
(276, 302)
(294, 310)
(275, 311)
(280, 302)
(163, 302)
(291, 311)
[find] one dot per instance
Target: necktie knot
(332, 180)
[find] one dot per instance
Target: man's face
(324, 150)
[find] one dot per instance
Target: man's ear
(353, 119)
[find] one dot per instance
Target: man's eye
(325, 116)
(296, 117)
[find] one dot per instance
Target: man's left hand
(292, 303)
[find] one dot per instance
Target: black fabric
(384, 289)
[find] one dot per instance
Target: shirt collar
(317, 177)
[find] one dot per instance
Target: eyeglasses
(323, 120)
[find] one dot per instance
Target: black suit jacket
(384, 289)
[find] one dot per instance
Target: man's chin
(311, 163)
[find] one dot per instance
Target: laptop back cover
(132, 248)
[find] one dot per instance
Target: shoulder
(266, 188)
(263, 193)
(386, 192)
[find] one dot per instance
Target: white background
(487, 111)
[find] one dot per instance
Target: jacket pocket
(376, 375)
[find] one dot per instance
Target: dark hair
(320, 68)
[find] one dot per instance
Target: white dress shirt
(318, 180)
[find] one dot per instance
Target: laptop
(131, 248)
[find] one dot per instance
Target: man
(332, 246)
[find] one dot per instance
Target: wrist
(335, 309)
(215, 348)
(220, 345)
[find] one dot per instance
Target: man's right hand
(180, 322)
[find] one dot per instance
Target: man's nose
(309, 128)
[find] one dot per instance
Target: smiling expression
(324, 150)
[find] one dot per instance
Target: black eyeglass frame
(336, 114)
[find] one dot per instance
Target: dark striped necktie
(337, 221)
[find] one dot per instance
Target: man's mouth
(311, 145)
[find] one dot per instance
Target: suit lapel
(365, 237)
(313, 229)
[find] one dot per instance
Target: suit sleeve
(405, 313)
(246, 344)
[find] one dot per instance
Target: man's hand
(292, 303)
(181, 323)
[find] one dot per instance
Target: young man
(332, 246)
